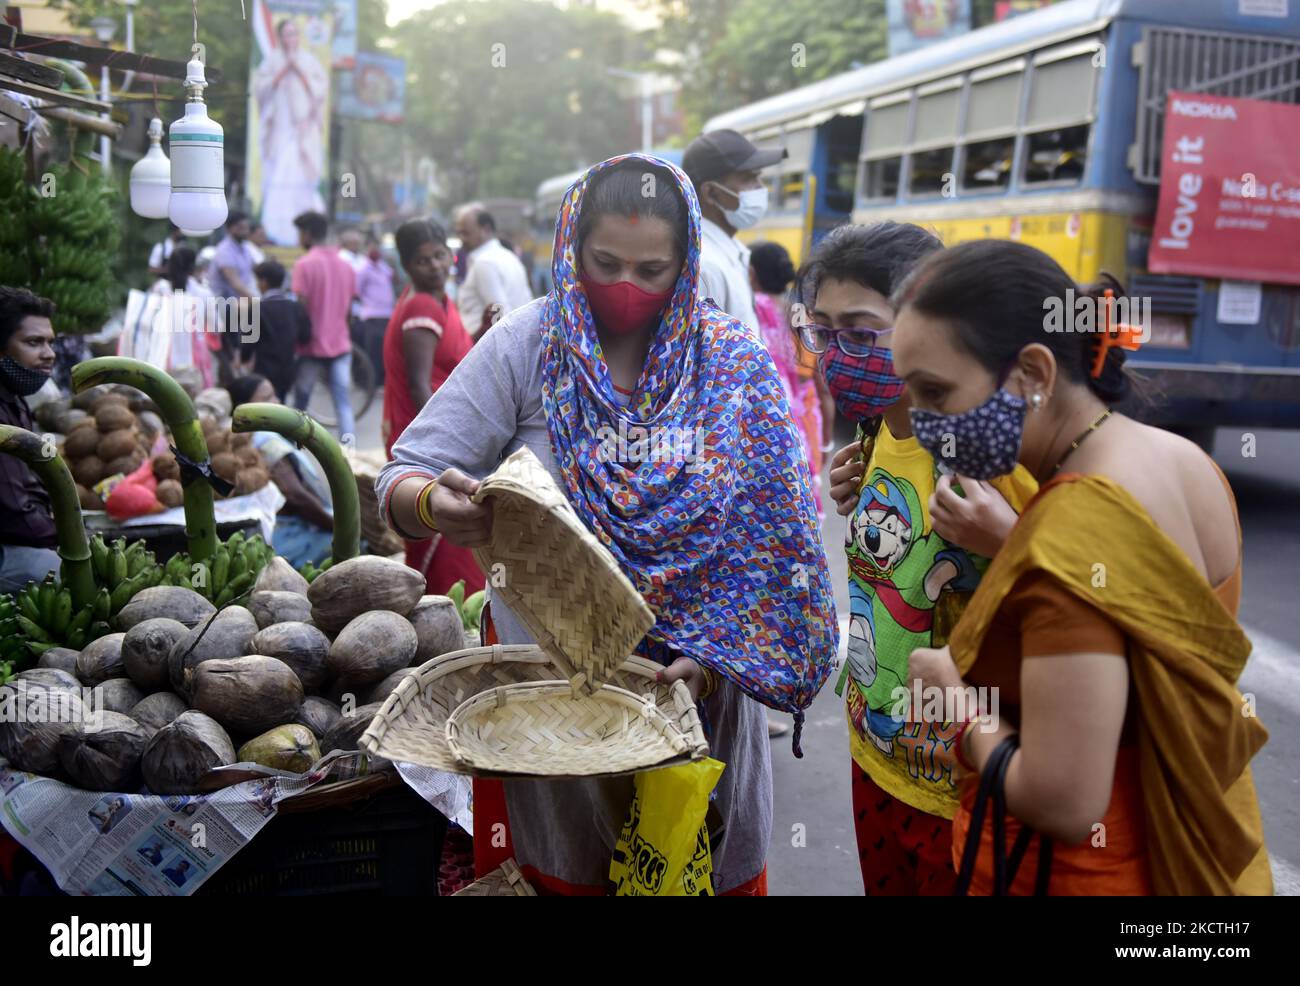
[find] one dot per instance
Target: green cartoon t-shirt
(903, 580)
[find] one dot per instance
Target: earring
(1036, 401)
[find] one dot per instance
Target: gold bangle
(711, 681)
(422, 510)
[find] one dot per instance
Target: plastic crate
(386, 844)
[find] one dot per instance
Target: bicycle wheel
(321, 406)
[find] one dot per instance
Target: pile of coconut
(184, 688)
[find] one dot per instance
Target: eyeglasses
(852, 342)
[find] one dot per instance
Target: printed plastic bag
(663, 850)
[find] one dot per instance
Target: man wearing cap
(724, 168)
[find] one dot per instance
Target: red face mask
(622, 307)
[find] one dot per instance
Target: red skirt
(443, 564)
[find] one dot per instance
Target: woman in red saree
(423, 343)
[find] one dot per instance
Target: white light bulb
(151, 178)
(198, 173)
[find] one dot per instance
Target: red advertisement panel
(1229, 190)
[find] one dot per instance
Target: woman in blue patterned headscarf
(664, 421)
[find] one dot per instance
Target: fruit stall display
(223, 655)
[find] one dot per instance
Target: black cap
(720, 152)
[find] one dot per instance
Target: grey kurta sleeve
(475, 414)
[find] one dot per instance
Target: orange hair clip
(1118, 336)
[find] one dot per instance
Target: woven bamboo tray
(542, 726)
(505, 881)
(557, 577)
(412, 723)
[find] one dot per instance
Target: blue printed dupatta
(714, 519)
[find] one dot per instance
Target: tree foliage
(504, 94)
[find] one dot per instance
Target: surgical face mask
(752, 207)
(982, 443)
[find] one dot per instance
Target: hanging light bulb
(198, 174)
(151, 178)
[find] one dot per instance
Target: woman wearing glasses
(916, 549)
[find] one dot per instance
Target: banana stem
(178, 411)
(74, 549)
(299, 428)
(83, 141)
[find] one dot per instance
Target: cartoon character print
(897, 571)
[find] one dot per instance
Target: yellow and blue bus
(1047, 128)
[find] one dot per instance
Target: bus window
(988, 164)
(1061, 91)
(844, 136)
(839, 184)
(884, 140)
(1056, 155)
(930, 171)
(880, 178)
(791, 196)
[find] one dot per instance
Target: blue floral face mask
(981, 443)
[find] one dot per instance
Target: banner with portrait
(289, 112)
(375, 89)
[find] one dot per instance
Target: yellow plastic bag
(663, 850)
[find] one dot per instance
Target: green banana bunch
(469, 609)
(44, 616)
(310, 570)
(473, 609)
(234, 559)
(13, 649)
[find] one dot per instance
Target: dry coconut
(157, 710)
(389, 685)
(438, 627)
(170, 493)
(172, 602)
(104, 755)
(278, 607)
(225, 634)
(145, 649)
(371, 647)
(119, 695)
(279, 576)
(362, 585)
(347, 732)
(318, 714)
(54, 677)
(183, 752)
(101, 660)
(247, 695)
(59, 657)
(302, 647)
(33, 719)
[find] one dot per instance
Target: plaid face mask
(862, 386)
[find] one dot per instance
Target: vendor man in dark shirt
(27, 536)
